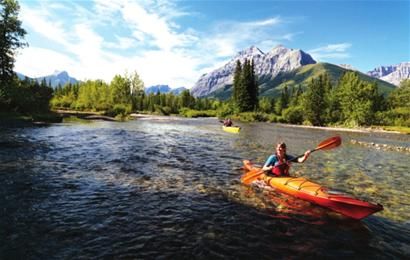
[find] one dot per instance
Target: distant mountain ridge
(393, 73)
(272, 87)
(279, 59)
(62, 77)
(164, 89)
(58, 78)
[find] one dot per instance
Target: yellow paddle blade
(251, 176)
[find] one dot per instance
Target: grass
(74, 119)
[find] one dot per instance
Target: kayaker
(228, 122)
(279, 163)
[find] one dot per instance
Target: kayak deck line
(311, 187)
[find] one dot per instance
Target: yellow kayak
(231, 129)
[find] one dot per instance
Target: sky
(174, 42)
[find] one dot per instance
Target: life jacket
(282, 169)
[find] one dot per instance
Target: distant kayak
(317, 194)
(231, 129)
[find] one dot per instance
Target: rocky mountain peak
(393, 74)
(279, 59)
(249, 52)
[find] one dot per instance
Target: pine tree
(254, 87)
(237, 81)
(11, 36)
(314, 102)
(245, 93)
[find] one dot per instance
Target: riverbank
(57, 116)
(13, 119)
(345, 129)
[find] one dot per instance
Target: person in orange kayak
(279, 163)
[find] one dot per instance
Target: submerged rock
(385, 147)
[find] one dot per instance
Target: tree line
(124, 94)
(349, 102)
(17, 95)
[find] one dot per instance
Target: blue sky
(175, 42)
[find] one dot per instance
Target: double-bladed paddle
(327, 144)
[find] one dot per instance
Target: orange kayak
(317, 194)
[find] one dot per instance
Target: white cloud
(261, 23)
(331, 51)
(112, 37)
(35, 62)
(121, 43)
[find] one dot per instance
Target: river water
(167, 187)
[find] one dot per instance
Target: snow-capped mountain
(279, 59)
(393, 74)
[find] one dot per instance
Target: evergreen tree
(283, 102)
(247, 102)
(187, 100)
(11, 36)
(314, 102)
(253, 88)
(245, 93)
(357, 99)
(237, 82)
(400, 97)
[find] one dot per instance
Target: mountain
(267, 65)
(58, 78)
(21, 76)
(272, 87)
(156, 88)
(164, 89)
(393, 74)
(178, 91)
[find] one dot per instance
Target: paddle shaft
(325, 145)
(299, 156)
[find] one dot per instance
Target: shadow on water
(170, 188)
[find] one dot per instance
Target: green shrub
(197, 113)
(273, 118)
(293, 115)
(226, 110)
(119, 110)
(165, 111)
(253, 116)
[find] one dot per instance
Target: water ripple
(170, 188)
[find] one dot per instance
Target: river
(168, 187)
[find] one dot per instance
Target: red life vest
(282, 169)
